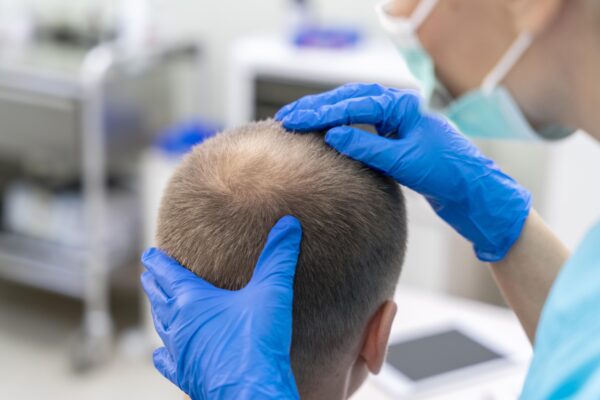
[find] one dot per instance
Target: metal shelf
(82, 122)
(42, 264)
(49, 266)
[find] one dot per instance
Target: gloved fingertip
(164, 363)
(340, 130)
(294, 121)
(150, 252)
(148, 282)
(280, 115)
(337, 137)
(279, 257)
(287, 222)
(287, 122)
(155, 259)
(158, 354)
(144, 277)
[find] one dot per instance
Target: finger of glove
(372, 150)
(277, 262)
(164, 363)
(373, 110)
(394, 111)
(168, 273)
(331, 97)
(161, 330)
(158, 298)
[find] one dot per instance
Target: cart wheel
(88, 352)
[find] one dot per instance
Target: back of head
(230, 191)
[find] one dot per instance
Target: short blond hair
(228, 193)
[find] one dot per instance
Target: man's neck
(333, 387)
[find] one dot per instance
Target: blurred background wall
(230, 84)
(218, 23)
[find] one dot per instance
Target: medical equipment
(429, 356)
(436, 319)
(431, 360)
(73, 114)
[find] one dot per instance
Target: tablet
(435, 359)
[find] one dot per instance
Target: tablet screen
(428, 356)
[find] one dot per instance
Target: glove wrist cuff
(269, 383)
(486, 255)
(502, 226)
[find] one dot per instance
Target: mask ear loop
(406, 28)
(422, 12)
(404, 25)
(507, 62)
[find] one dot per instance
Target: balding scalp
(229, 191)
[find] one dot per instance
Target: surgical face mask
(489, 111)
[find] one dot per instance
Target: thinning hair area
(228, 193)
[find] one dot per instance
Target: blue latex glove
(222, 344)
(423, 152)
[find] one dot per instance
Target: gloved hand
(222, 344)
(423, 152)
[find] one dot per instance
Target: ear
(535, 15)
(377, 336)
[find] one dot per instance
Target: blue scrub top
(566, 361)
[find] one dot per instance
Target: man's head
(229, 192)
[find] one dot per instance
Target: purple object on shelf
(333, 38)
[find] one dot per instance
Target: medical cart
(81, 114)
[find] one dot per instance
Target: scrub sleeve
(566, 361)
